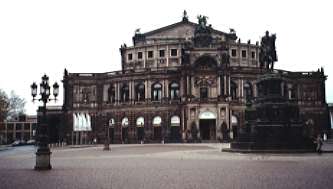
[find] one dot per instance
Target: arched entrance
(175, 128)
(140, 122)
(124, 129)
(157, 121)
(207, 125)
(234, 126)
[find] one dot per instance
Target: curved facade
(183, 82)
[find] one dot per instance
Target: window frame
(140, 55)
(129, 57)
(159, 53)
(233, 51)
(150, 54)
(173, 50)
(244, 55)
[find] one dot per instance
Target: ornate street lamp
(43, 151)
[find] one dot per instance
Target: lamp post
(43, 151)
(107, 141)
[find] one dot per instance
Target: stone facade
(183, 82)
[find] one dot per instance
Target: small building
(23, 128)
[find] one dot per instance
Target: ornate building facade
(180, 83)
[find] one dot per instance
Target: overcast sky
(40, 36)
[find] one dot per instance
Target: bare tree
(16, 106)
(4, 105)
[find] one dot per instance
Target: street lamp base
(106, 148)
(43, 161)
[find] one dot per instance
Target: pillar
(218, 85)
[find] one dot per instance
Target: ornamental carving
(205, 81)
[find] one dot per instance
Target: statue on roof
(137, 31)
(185, 16)
(267, 55)
(202, 33)
(202, 21)
(65, 72)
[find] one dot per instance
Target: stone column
(167, 88)
(133, 90)
(130, 90)
(192, 85)
(239, 88)
(229, 85)
(218, 129)
(254, 90)
(183, 124)
(167, 55)
(149, 89)
(163, 90)
(242, 88)
(187, 85)
(225, 85)
(146, 89)
(218, 85)
(117, 92)
(198, 128)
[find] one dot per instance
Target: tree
(4, 105)
(16, 106)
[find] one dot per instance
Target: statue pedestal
(43, 160)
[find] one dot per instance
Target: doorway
(207, 129)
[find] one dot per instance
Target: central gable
(183, 29)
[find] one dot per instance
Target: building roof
(178, 24)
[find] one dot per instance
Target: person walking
(319, 142)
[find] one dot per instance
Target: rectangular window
(173, 52)
(233, 52)
(150, 54)
(130, 56)
(243, 53)
(253, 54)
(139, 55)
(162, 53)
(27, 126)
(18, 126)
(10, 126)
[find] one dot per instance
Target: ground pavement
(159, 166)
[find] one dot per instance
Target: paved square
(158, 166)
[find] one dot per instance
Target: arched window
(175, 120)
(124, 122)
(233, 90)
(140, 121)
(140, 92)
(125, 93)
(111, 122)
(248, 91)
(157, 120)
(174, 90)
(111, 94)
(156, 92)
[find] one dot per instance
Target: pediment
(178, 30)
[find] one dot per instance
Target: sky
(84, 36)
